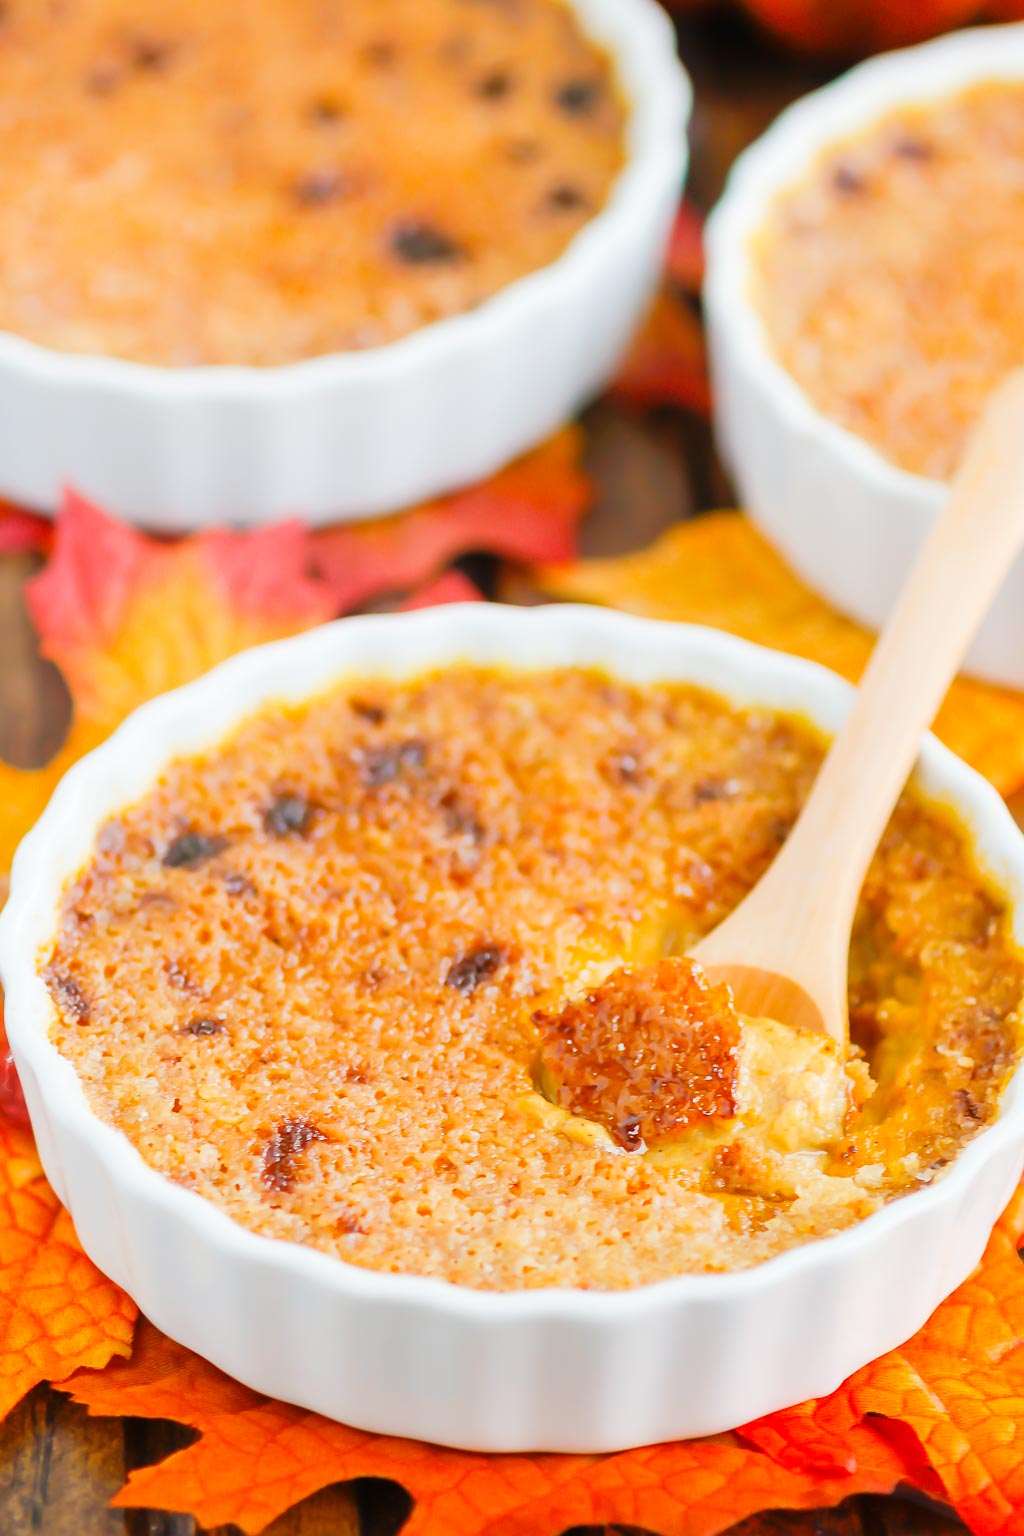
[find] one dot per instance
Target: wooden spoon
(784, 950)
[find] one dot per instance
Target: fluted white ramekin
(530, 1370)
(845, 517)
(354, 434)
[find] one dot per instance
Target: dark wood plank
(34, 702)
(58, 1469)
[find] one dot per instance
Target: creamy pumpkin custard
(265, 182)
(397, 974)
(891, 280)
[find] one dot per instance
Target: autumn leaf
(667, 361)
(527, 513)
(449, 587)
(22, 532)
(718, 570)
(256, 1458)
(57, 1312)
(684, 259)
(955, 1391)
(126, 617)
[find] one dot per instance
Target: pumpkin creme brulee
(365, 977)
(890, 281)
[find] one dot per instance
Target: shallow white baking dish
(359, 433)
(540, 1370)
(848, 520)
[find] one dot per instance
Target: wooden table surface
(58, 1468)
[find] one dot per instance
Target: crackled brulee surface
(891, 281)
(337, 977)
(263, 182)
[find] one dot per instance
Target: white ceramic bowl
(355, 434)
(846, 518)
(538, 1370)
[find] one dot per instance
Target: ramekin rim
(29, 1007)
(656, 151)
(824, 117)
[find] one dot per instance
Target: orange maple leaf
(256, 1458)
(57, 1312)
(956, 1388)
(718, 570)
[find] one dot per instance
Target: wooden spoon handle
(951, 586)
(797, 919)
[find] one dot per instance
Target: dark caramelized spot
(461, 819)
(566, 197)
(646, 1054)
(848, 181)
(709, 790)
(909, 147)
(289, 814)
(192, 849)
(325, 184)
(202, 1027)
(473, 968)
(421, 244)
(67, 993)
(494, 86)
(150, 54)
(325, 111)
(282, 1155)
(366, 709)
(237, 884)
(626, 767)
(382, 765)
(968, 1106)
(578, 97)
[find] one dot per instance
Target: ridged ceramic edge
(846, 518)
(355, 434)
(539, 1370)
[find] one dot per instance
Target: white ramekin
(537, 1370)
(847, 519)
(355, 434)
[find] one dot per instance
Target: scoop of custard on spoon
(784, 950)
(658, 1049)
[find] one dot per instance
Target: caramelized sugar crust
(646, 1054)
(301, 976)
(264, 182)
(891, 281)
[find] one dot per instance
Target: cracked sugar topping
(265, 182)
(385, 974)
(891, 280)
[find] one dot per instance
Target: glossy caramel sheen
(267, 181)
(302, 977)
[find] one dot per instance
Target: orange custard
(264, 182)
(355, 976)
(891, 281)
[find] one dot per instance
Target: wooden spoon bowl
(784, 950)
